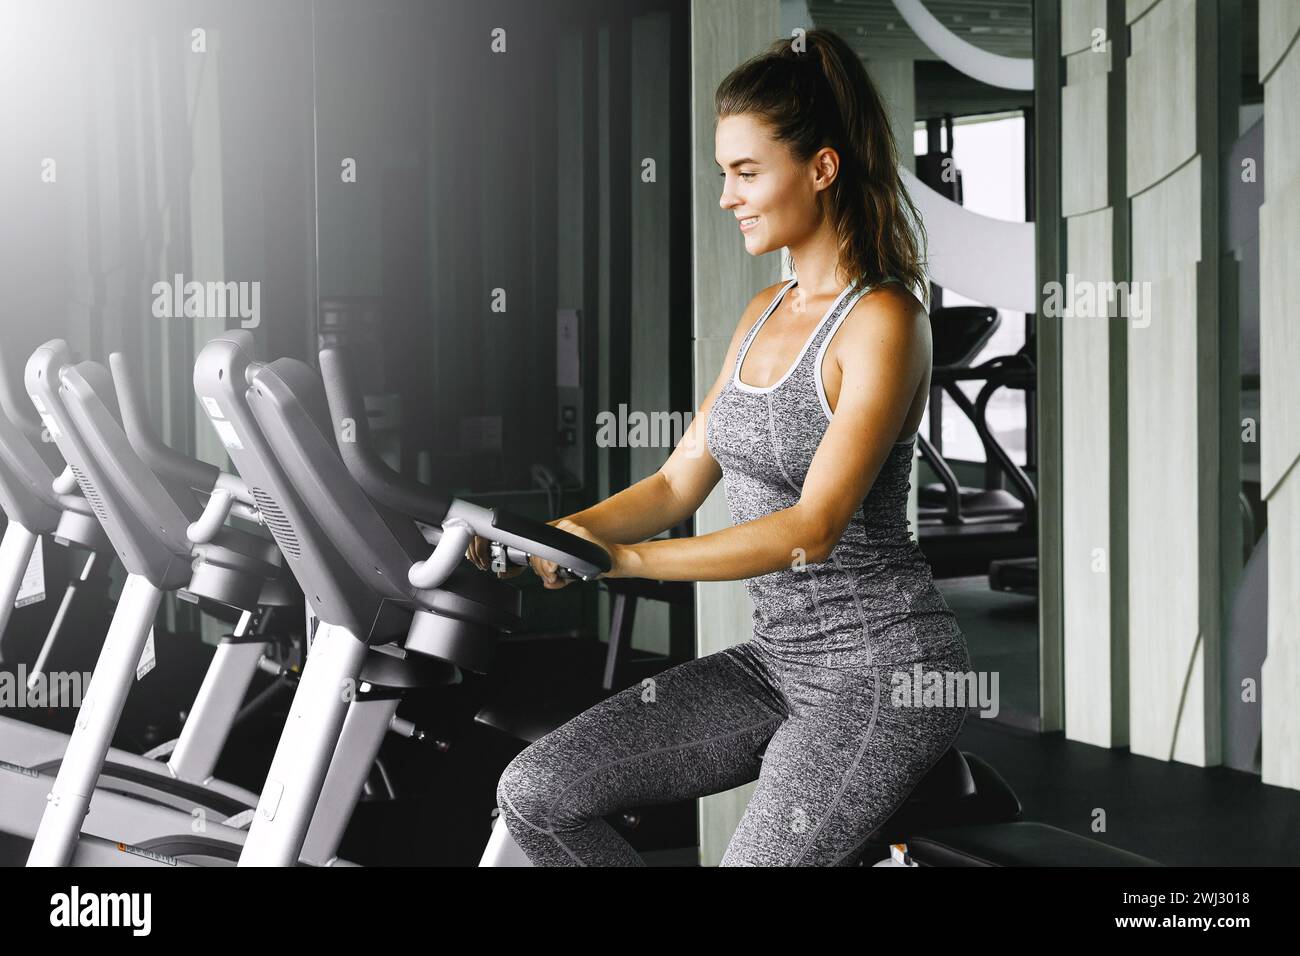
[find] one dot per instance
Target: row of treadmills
(378, 560)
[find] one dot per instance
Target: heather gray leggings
(833, 751)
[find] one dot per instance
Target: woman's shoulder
(888, 303)
(887, 314)
(892, 296)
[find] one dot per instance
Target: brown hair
(824, 97)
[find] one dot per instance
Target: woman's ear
(826, 166)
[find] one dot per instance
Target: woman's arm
(640, 511)
(884, 349)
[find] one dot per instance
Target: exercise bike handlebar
(517, 557)
(502, 556)
(229, 496)
(65, 482)
(465, 520)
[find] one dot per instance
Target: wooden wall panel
(1086, 454)
(1279, 22)
(1084, 138)
(1079, 18)
(1161, 90)
(1279, 237)
(1135, 8)
(724, 33)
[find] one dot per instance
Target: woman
(811, 425)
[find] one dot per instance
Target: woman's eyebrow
(737, 162)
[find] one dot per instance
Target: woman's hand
(479, 553)
(548, 571)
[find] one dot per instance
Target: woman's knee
(531, 789)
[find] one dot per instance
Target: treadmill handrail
(1013, 368)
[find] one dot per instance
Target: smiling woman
(811, 425)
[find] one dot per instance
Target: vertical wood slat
(1177, 569)
(1279, 234)
(1093, 387)
(724, 33)
(1049, 76)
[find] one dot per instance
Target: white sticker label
(213, 409)
(15, 768)
(32, 590)
(147, 854)
(226, 432)
(147, 659)
(240, 821)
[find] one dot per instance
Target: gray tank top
(874, 596)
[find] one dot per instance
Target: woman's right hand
(479, 553)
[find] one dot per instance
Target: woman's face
(772, 196)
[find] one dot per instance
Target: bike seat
(961, 789)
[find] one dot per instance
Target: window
(989, 151)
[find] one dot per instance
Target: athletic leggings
(834, 750)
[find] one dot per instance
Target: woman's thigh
(851, 752)
(692, 730)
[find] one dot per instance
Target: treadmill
(961, 528)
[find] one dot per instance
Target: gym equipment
(964, 814)
(962, 529)
(578, 671)
(361, 559)
(154, 538)
(517, 703)
(28, 752)
(27, 469)
(162, 551)
(31, 753)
